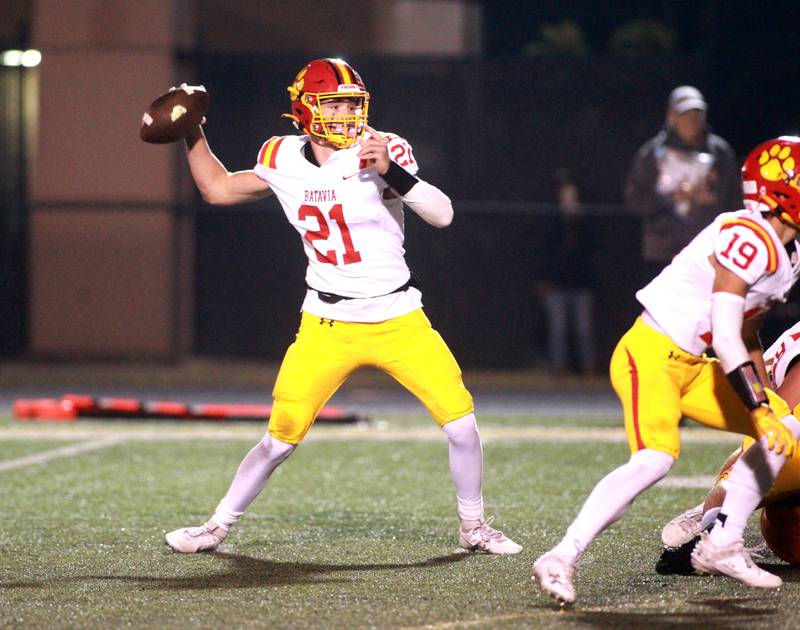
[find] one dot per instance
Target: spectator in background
(680, 180)
(567, 283)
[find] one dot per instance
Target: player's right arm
(217, 185)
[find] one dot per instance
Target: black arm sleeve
(747, 384)
(399, 178)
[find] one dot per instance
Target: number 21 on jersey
(323, 232)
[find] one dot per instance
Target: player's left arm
(727, 320)
(727, 317)
(430, 203)
(752, 342)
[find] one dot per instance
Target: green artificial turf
(348, 534)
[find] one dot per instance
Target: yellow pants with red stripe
(658, 383)
(326, 352)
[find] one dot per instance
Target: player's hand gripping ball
(174, 114)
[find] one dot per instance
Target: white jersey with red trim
(780, 355)
(351, 228)
(678, 300)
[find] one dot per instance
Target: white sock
(612, 497)
(749, 480)
(466, 466)
(225, 517)
(250, 479)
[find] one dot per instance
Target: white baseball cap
(684, 98)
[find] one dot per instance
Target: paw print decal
(777, 163)
(297, 86)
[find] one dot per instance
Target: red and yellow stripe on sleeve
(762, 234)
(269, 151)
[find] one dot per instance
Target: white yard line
(703, 482)
(56, 453)
(348, 433)
(103, 437)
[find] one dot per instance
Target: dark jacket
(668, 228)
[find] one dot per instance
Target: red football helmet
(771, 178)
(323, 80)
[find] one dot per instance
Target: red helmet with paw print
(771, 178)
(326, 80)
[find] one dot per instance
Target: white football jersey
(351, 231)
(780, 355)
(679, 298)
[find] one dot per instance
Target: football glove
(779, 438)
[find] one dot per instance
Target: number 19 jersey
(351, 228)
(678, 300)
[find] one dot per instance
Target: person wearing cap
(680, 180)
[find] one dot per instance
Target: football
(714, 498)
(780, 526)
(174, 114)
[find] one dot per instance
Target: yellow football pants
(658, 383)
(787, 483)
(326, 352)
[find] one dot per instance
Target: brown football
(174, 114)
(780, 525)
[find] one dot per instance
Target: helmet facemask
(340, 130)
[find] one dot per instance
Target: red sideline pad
(73, 406)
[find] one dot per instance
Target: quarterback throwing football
(342, 186)
(713, 293)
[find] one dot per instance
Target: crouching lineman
(342, 186)
(713, 293)
(782, 361)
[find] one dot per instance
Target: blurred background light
(27, 58)
(31, 58)
(11, 58)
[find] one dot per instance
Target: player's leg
(688, 525)
(249, 480)
(314, 366)
(411, 351)
(711, 400)
(647, 382)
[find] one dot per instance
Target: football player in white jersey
(782, 361)
(713, 293)
(342, 186)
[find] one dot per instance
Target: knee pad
(290, 420)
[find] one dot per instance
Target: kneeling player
(779, 520)
(713, 293)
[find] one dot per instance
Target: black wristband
(399, 178)
(747, 384)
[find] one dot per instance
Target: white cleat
(207, 537)
(482, 537)
(683, 528)
(732, 560)
(555, 573)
